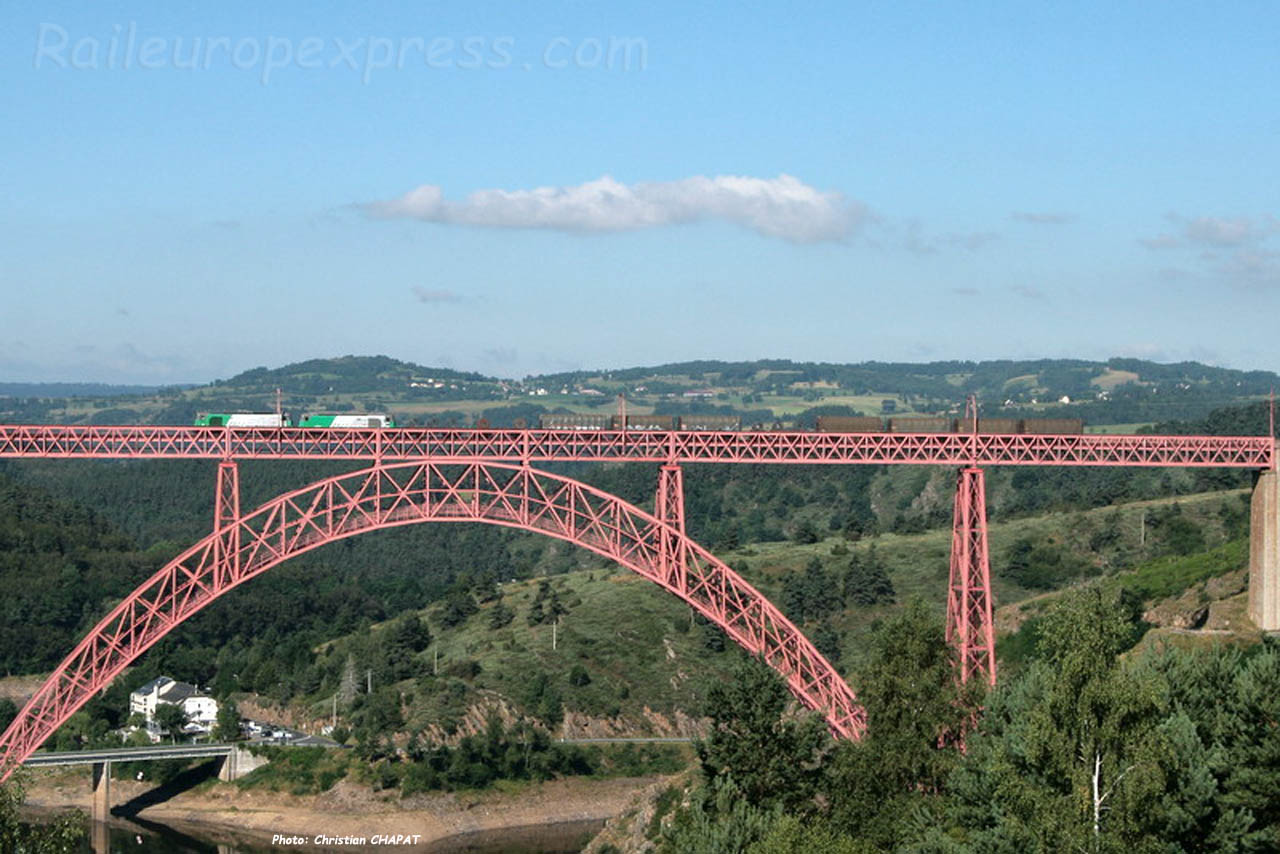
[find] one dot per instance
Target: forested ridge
(766, 391)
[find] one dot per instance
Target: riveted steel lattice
(412, 492)
(969, 623)
(17, 441)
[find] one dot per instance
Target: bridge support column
(227, 770)
(226, 525)
(668, 506)
(101, 792)
(100, 840)
(969, 623)
(238, 763)
(1264, 552)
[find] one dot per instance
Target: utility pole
(435, 661)
(1142, 529)
(368, 675)
(554, 626)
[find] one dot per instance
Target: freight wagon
(644, 422)
(930, 424)
(576, 421)
(850, 424)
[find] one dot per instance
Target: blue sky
(514, 188)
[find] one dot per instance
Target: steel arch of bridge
(383, 496)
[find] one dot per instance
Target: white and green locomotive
(348, 422)
(270, 419)
(242, 419)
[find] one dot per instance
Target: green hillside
(632, 658)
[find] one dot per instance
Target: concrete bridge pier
(99, 831)
(238, 763)
(101, 792)
(1264, 552)
(100, 837)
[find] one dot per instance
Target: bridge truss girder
(394, 494)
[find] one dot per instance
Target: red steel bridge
(489, 476)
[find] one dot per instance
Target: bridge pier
(238, 763)
(100, 837)
(101, 793)
(970, 628)
(1264, 552)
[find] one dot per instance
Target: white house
(201, 710)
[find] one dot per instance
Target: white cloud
(434, 296)
(1234, 249)
(1214, 231)
(1254, 268)
(1221, 231)
(783, 207)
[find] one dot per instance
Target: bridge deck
(293, 443)
(127, 754)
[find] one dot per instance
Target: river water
(152, 838)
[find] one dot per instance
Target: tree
(171, 719)
(456, 609)
(790, 835)
(62, 834)
(500, 616)
(771, 757)
(812, 594)
(805, 533)
(8, 711)
(719, 819)
(866, 582)
(879, 786)
(227, 727)
(1068, 755)
(827, 640)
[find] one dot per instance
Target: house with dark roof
(201, 710)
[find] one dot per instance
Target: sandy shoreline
(349, 810)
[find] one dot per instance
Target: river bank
(351, 812)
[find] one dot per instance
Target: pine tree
(768, 755)
(866, 582)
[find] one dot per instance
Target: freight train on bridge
(596, 421)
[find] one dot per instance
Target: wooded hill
(1119, 391)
